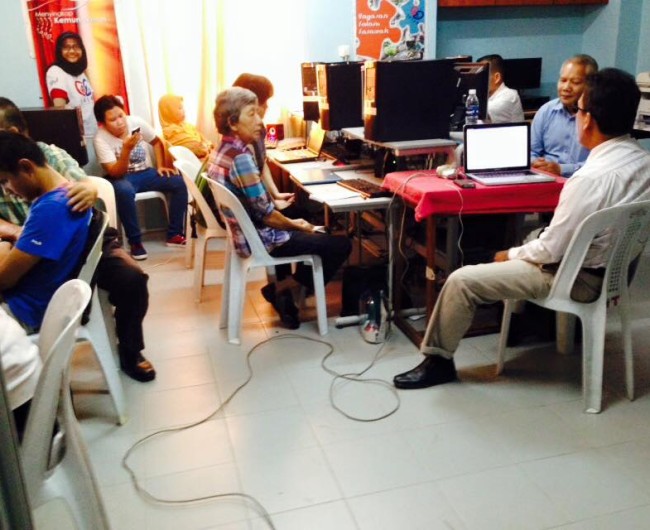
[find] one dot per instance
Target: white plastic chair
(236, 267)
(106, 194)
(96, 331)
(193, 166)
(72, 478)
(212, 231)
(179, 152)
(630, 225)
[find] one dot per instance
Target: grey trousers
(473, 285)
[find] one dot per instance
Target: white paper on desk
(329, 193)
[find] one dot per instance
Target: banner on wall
(390, 29)
(93, 22)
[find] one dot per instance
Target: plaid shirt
(14, 209)
(233, 165)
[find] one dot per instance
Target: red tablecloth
(432, 195)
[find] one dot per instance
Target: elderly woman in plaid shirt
(233, 165)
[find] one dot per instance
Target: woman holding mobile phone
(121, 150)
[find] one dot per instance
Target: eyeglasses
(71, 47)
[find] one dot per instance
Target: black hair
(496, 63)
(612, 97)
(10, 116)
(74, 69)
(104, 104)
(14, 147)
(258, 84)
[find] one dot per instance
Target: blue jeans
(149, 180)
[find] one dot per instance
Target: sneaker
(176, 241)
(138, 252)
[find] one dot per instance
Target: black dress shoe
(434, 370)
(142, 371)
(283, 304)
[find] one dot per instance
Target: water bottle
(471, 108)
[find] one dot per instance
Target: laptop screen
(497, 147)
(316, 139)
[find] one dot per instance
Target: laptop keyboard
(365, 188)
(503, 174)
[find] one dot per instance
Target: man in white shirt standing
(504, 105)
(617, 171)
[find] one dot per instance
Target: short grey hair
(587, 61)
(228, 107)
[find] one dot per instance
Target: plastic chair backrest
(186, 171)
(227, 200)
(92, 258)
(106, 194)
(56, 342)
(180, 152)
(627, 226)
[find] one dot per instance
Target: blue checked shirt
(233, 165)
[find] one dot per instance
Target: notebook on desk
(497, 154)
(311, 152)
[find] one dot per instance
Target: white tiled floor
(508, 452)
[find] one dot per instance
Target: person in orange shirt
(177, 131)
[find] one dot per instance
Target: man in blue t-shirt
(53, 239)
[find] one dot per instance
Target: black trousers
(333, 251)
(126, 283)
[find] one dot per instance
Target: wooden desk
(433, 197)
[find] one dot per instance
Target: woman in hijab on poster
(67, 82)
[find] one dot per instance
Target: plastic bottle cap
(472, 91)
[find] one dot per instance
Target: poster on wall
(390, 29)
(77, 54)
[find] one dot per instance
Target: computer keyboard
(365, 188)
(338, 152)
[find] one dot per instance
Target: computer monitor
(309, 91)
(340, 101)
(61, 127)
(476, 76)
(408, 100)
(522, 73)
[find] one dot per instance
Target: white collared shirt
(504, 106)
(616, 172)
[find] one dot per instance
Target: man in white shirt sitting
(504, 105)
(21, 365)
(617, 171)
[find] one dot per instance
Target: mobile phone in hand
(135, 131)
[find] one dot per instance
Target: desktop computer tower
(61, 127)
(340, 95)
(408, 100)
(309, 92)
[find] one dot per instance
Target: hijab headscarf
(176, 132)
(73, 69)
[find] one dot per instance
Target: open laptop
(311, 152)
(499, 153)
